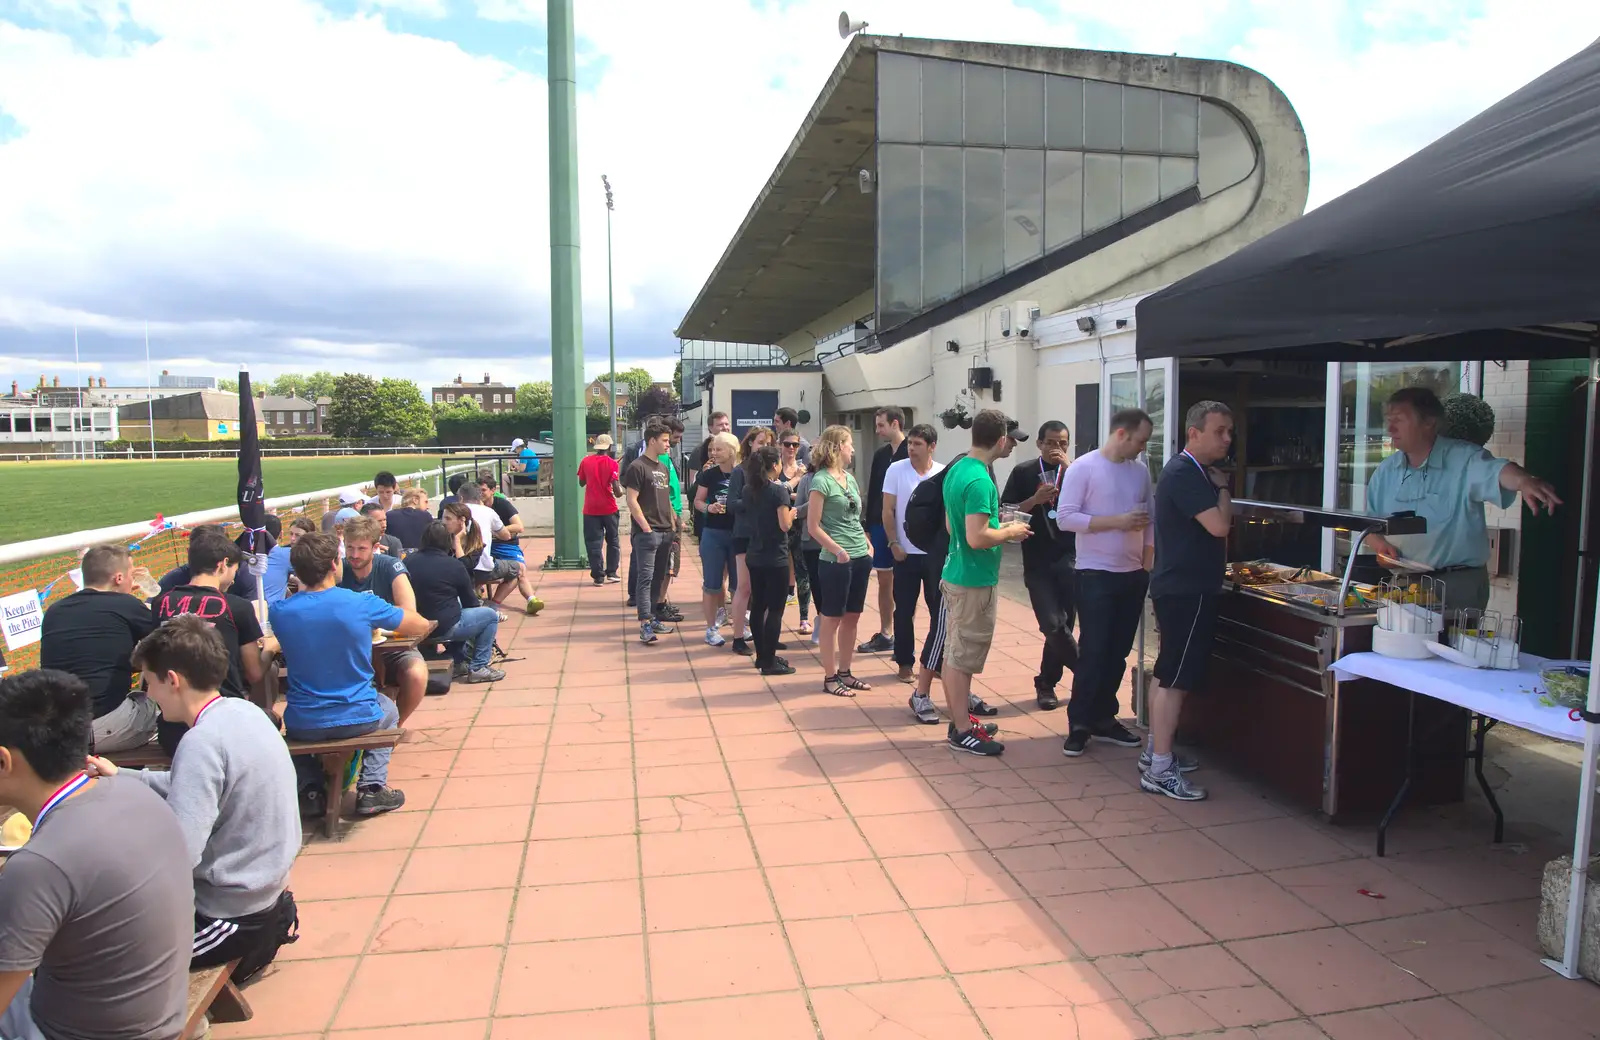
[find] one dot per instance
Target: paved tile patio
(652, 843)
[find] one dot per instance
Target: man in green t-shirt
(666, 611)
(972, 573)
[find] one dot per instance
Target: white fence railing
(17, 552)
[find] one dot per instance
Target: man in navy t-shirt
(326, 635)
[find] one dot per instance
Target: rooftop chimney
(165, 372)
(56, 382)
(102, 382)
(14, 389)
(486, 379)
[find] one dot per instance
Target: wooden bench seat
(212, 990)
(333, 755)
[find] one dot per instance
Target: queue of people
(1099, 538)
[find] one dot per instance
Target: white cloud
(272, 183)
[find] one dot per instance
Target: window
(511, 398)
(450, 397)
(438, 398)
(496, 398)
(296, 417)
(984, 169)
(283, 418)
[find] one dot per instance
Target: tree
(401, 411)
(677, 376)
(354, 406)
(229, 386)
(600, 410)
(654, 401)
(535, 399)
(293, 384)
(637, 381)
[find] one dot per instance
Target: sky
(361, 184)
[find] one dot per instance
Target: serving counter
(1274, 711)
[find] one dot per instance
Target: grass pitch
(39, 499)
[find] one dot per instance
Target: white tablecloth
(1510, 696)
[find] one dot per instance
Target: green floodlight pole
(566, 298)
(611, 314)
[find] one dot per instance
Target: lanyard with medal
(65, 791)
(1060, 470)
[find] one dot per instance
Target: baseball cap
(1012, 431)
(351, 497)
(517, 443)
(602, 442)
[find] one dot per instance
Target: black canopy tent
(1485, 245)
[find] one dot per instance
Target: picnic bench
(333, 755)
(211, 990)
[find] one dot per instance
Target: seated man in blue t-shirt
(275, 583)
(368, 571)
(326, 636)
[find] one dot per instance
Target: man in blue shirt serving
(1446, 482)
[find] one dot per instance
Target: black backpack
(925, 514)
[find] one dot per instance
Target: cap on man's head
(517, 443)
(1013, 432)
(351, 497)
(602, 442)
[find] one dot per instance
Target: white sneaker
(816, 636)
(722, 617)
(714, 638)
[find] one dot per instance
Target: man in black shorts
(1048, 558)
(1192, 516)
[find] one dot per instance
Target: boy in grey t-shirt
(97, 905)
(232, 788)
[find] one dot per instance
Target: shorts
(882, 555)
(252, 940)
(1188, 625)
(967, 617)
(504, 569)
(716, 559)
(841, 588)
(741, 546)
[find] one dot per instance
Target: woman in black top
(443, 584)
(770, 515)
(757, 438)
(711, 506)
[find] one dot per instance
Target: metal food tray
(1292, 593)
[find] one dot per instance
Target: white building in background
(944, 201)
(27, 429)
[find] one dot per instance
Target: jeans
(716, 559)
(374, 762)
(478, 627)
(1054, 597)
(802, 576)
(601, 531)
(652, 566)
(16, 1021)
(1110, 606)
(769, 588)
(915, 577)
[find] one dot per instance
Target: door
(751, 408)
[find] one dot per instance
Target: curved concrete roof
(796, 256)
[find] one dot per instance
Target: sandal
(835, 686)
(805, 626)
(846, 679)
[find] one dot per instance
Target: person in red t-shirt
(597, 475)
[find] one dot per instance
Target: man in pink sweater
(1106, 500)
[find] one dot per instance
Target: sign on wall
(23, 618)
(752, 408)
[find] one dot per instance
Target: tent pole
(1583, 501)
(1578, 892)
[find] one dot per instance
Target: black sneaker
(669, 613)
(1046, 696)
(1116, 733)
(974, 742)
(740, 646)
(632, 602)
(879, 643)
(371, 801)
(600, 581)
(976, 706)
(1076, 742)
(780, 645)
(778, 667)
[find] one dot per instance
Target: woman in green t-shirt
(834, 522)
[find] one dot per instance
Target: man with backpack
(916, 576)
